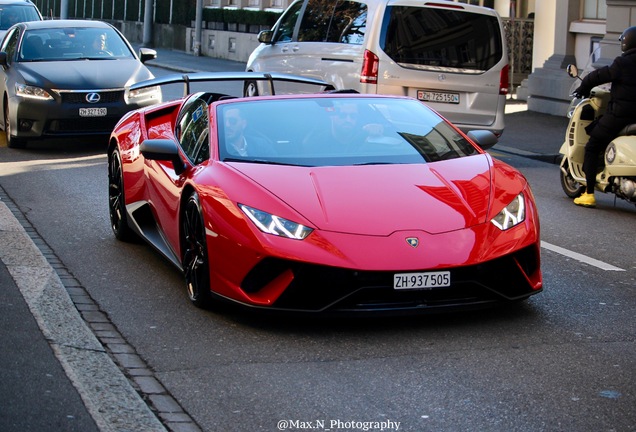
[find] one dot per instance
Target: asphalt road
(563, 361)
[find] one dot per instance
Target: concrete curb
(549, 158)
(106, 392)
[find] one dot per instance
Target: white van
(451, 55)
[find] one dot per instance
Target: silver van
(450, 55)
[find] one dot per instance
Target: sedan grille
(76, 98)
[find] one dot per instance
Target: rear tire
(116, 199)
(196, 264)
(12, 142)
(571, 187)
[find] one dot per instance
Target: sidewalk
(39, 342)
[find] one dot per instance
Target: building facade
(580, 32)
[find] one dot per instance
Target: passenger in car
(344, 133)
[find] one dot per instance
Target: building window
(595, 9)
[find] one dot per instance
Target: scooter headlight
(610, 153)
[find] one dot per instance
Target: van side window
(285, 30)
(334, 21)
(427, 37)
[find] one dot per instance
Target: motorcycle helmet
(628, 39)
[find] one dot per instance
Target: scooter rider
(621, 109)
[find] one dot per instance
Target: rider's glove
(580, 93)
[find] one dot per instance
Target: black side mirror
(146, 54)
(483, 138)
(163, 150)
(3, 59)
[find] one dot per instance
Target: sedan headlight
(513, 214)
(143, 94)
(271, 224)
(32, 92)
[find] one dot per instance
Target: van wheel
(250, 89)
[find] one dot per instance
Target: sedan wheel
(116, 201)
(196, 264)
(12, 142)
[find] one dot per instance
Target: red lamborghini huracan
(322, 201)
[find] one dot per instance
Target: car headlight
(271, 224)
(513, 214)
(32, 92)
(148, 93)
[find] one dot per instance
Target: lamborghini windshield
(336, 130)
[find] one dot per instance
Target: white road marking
(580, 257)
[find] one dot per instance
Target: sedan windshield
(325, 131)
(74, 43)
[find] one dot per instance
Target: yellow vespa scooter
(617, 171)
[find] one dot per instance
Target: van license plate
(435, 96)
(425, 280)
(92, 112)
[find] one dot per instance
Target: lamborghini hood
(381, 199)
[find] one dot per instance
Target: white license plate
(434, 96)
(425, 280)
(92, 112)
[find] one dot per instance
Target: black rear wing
(188, 78)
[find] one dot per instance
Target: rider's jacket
(622, 74)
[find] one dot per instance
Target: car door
(165, 185)
(276, 56)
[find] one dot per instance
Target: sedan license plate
(435, 96)
(92, 112)
(425, 280)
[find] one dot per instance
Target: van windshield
(438, 39)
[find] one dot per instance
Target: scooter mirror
(573, 71)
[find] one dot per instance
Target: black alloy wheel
(571, 187)
(12, 142)
(116, 201)
(196, 265)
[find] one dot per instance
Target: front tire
(12, 142)
(196, 264)
(116, 199)
(571, 187)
